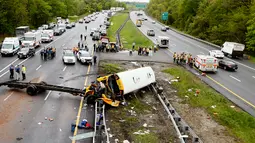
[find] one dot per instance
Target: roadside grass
(109, 68)
(117, 20)
(239, 123)
(252, 59)
(130, 34)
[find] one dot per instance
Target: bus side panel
(136, 79)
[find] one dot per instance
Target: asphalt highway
(237, 86)
(23, 117)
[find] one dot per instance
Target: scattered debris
(45, 118)
(232, 106)
(61, 77)
(126, 141)
(140, 132)
(19, 138)
(60, 130)
(122, 120)
(133, 113)
(108, 129)
(203, 74)
(189, 90)
(50, 119)
(174, 80)
(39, 123)
(145, 125)
(197, 91)
(154, 108)
(116, 140)
(74, 108)
(213, 106)
(132, 107)
(110, 135)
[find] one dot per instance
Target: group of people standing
(183, 58)
(18, 71)
(145, 51)
(48, 53)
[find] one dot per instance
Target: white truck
(233, 49)
(10, 46)
(47, 35)
(32, 39)
(206, 63)
(162, 42)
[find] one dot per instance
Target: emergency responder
(17, 70)
(95, 59)
(85, 37)
(177, 58)
(11, 71)
(86, 28)
(174, 56)
(79, 44)
(81, 36)
(53, 52)
(94, 45)
(23, 70)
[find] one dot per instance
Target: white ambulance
(206, 63)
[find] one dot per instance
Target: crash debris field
(144, 119)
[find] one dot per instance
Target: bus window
(164, 42)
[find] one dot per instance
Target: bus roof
(163, 37)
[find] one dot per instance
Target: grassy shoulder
(117, 20)
(239, 123)
(130, 34)
(252, 59)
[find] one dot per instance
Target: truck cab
(206, 63)
(32, 39)
(233, 49)
(162, 42)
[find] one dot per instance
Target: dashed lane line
(47, 96)
(38, 67)
(235, 78)
(8, 96)
(64, 68)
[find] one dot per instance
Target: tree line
(216, 21)
(34, 13)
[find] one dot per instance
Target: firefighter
(23, 70)
(95, 59)
(174, 56)
(177, 58)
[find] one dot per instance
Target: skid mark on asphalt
(8, 96)
(235, 78)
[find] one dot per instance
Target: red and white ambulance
(206, 63)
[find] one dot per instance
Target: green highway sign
(164, 16)
(140, 5)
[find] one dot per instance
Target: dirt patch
(202, 124)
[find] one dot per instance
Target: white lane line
(253, 76)
(8, 96)
(8, 65)
(47, 96)
(235, 78)
(64, 68)
(63, 45)
(4, 73)
(38, 67)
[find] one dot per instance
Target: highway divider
(118, 41)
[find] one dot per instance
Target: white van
(10, 46)
(45, 26)
(32, 39)
(162, 42)
(50, 32)
(206, 63)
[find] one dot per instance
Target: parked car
(150, 32)
(153, 22)
(96, 36)
(92, 30)
(68, 57)
(69, 26)
(167, 27)
(57, 32)
(26, 52)
(62, 29)
(228, 65)
(103, 32)
(51, 25)
(46, 38)
(73, 24)
(163, 29)
(216, 54)
(84, 57)
(80, 21)
(87, 20)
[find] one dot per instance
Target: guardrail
(118, 41)
(185, 133)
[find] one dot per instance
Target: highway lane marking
(9, 65)
(63, 45)
(47, 96)
(64, 68)
(235, 78)
(4, 73)
(8, 96)
(231, 91)
(38, 67)
(253, 76)
(28, 58)
(81, 103)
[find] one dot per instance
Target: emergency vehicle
(32, 39)
(206, 63)
(162, 42)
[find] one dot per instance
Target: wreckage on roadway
(118, 84)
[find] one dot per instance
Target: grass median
(117, 20)
(130, 34)
(239, 123)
